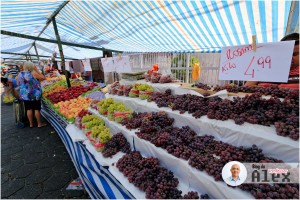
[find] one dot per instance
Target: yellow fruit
(196, 71)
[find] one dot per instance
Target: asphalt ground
(34, 162)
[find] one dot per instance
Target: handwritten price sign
(271, 62)
(108, 64)
(122, 64)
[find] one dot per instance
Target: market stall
(157, 131)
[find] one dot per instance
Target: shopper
(30, 93)
(294, 70)
(37, 74)
(12, 86)
(12, 71)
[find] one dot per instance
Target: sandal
(43, 125)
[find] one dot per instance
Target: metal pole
(54, 41)
(29, 56)
(36, 52)
(25, 54)
(50, 18)
(61, 52)
(187, 67)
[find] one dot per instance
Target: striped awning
(154, 26)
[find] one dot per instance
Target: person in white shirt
(234, 179)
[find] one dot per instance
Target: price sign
(122, 64)
(77, 66)
(59, 65)
(271, 62)
(108, 64)
(67, 66)
(87, 65)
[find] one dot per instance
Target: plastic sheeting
(152, 26)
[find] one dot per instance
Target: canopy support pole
(49, 20)
(36, 52)
(29, 56)
(40, 56)
(60, 51)
(54, 41)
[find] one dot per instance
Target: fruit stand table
(97, 180)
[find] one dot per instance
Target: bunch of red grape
(273, 91)
(202, 86)
(252, 109)
(148, 176)
(117, 143)
(83, 113)
(202, 152)
(275, 191)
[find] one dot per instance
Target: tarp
(150, 26)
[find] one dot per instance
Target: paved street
(34, 162)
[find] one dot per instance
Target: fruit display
(145, 91)
(78, 119)
(117, 143)
(165, 79)
(202, 86)
(50, 81)
(127, 89)
(120, 91)
(155, 77)
(203, 152)
(100, 135)
(134, 92)
(68, 94)
(58, 88)
(96, 121)
(70, 109)
(117, 112)
(274, 91)
(113, 89)
(252, 109)
(104, 104)
(200, 153)
(147, 175)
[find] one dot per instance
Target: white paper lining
(189, 178)
(75, 133)
(247, 134)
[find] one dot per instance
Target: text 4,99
(261, 62)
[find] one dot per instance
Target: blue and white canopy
(147, 26)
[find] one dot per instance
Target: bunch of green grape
(94, 122)
(104, 104)
(145, 91)
(88, 118)
(54, 85)
(145, 87)
(104, 136)
(96, 130)
(136, 86)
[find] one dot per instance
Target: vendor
(293, 79)
(87, 74)
(72, 73)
